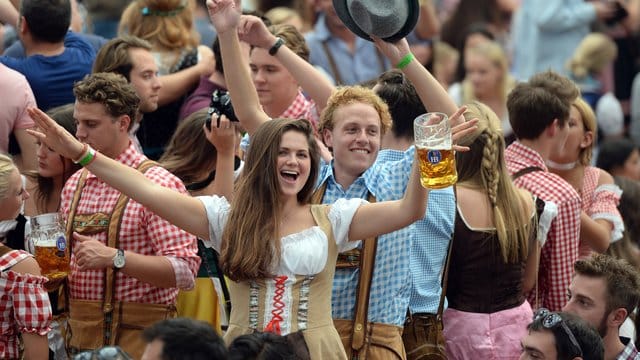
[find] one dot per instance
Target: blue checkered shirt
(391, 282)
(429, 245)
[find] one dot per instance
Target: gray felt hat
(390, 20)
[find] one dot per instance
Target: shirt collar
(129, 157)
(531, 156)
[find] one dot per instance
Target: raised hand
(392, 51)
(461, 128)
(54, 135)
(224, 14)
(253, 31)
(222, 135)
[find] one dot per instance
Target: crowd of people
(239, 180)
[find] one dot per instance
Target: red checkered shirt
(561, 249)
(302, 108)
(142, 232)
(24, 305)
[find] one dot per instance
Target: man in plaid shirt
(152, 258)
(539, 113)
(604, 291)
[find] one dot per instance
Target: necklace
(559, 166)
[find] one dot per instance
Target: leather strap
(334, 67)
(332, 63)
(113, 232)
(445, 273)
(367, 264)
(525, 171)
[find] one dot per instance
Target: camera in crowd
(221, 105)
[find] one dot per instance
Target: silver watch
(118, 260)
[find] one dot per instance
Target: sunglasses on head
(551, 320)
(104, 353)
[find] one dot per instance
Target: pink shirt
(16, 96)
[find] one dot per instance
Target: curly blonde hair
(347, 95)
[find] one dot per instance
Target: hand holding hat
(390, 20)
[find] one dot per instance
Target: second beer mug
(432, 134)
(50, 243)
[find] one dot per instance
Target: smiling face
(355, 138)
(293, 163)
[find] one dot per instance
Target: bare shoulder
(526, 198)
(27, 266)
(605, 178)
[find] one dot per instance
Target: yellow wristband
(405, 61)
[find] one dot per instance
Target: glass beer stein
(50, 244)
(432, 134)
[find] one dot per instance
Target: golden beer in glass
(50, 245)
(432, 134)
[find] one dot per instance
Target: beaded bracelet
(405, 61)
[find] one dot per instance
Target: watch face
(118, 260)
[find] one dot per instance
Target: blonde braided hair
(484, 168)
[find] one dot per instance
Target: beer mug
(50, 244)
(432, 134)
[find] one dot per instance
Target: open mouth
(289, 175)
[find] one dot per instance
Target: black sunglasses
(104, 353)
(551, 320)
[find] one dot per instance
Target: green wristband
(87, 158)
(405, 61)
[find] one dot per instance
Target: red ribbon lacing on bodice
(278, 306)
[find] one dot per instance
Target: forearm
(223, 182)
(241, 89)
(155, 270)
(160, 200)
(596, 233)
(8, 13)
(175, 85)
(433, 95)
(36, 346)
(314, 83)
(428, 23)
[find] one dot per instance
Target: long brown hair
(189, 153)
(485, 168)
(250, 245)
